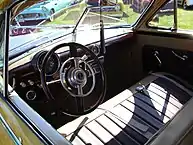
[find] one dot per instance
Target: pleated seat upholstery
(133, 116)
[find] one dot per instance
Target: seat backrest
(177, 131)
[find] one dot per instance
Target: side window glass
(164, 17)
(185, 15)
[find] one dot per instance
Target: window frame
(187, 33)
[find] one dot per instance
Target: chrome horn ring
(77, 77)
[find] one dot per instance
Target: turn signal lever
(156, 54)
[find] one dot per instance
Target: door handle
(183, 57)
(156, 54)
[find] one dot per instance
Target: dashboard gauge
(52, 65)
(95, 49)
(31, 95)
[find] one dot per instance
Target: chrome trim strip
(10, 132)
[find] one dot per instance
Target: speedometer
(52, 65)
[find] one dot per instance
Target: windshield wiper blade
(112, 27)
(118, 26)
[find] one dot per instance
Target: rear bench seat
(133, 116)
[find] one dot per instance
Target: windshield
(48, 20)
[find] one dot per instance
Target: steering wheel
(74, 77)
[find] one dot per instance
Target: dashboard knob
(31, 83)
(22, 84)
(31, 95)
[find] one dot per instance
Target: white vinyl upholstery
(133, 116)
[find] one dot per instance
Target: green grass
(184, 20)
(72, 15)
(132, 16)
(69, 17)
(185, 17)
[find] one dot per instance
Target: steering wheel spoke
(80, 90)
(76, 63)
(80, 104)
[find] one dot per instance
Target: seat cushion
(134, 115)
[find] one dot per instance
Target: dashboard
(26, 77)
(24, 71)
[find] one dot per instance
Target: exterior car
(139, 5)
(73, 2)
(15, 31)
(185, 3)
(42, 11)
(110, 7)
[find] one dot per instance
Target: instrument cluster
(52, 66)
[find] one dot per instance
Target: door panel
(167, 53)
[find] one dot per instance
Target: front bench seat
(133, 116)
